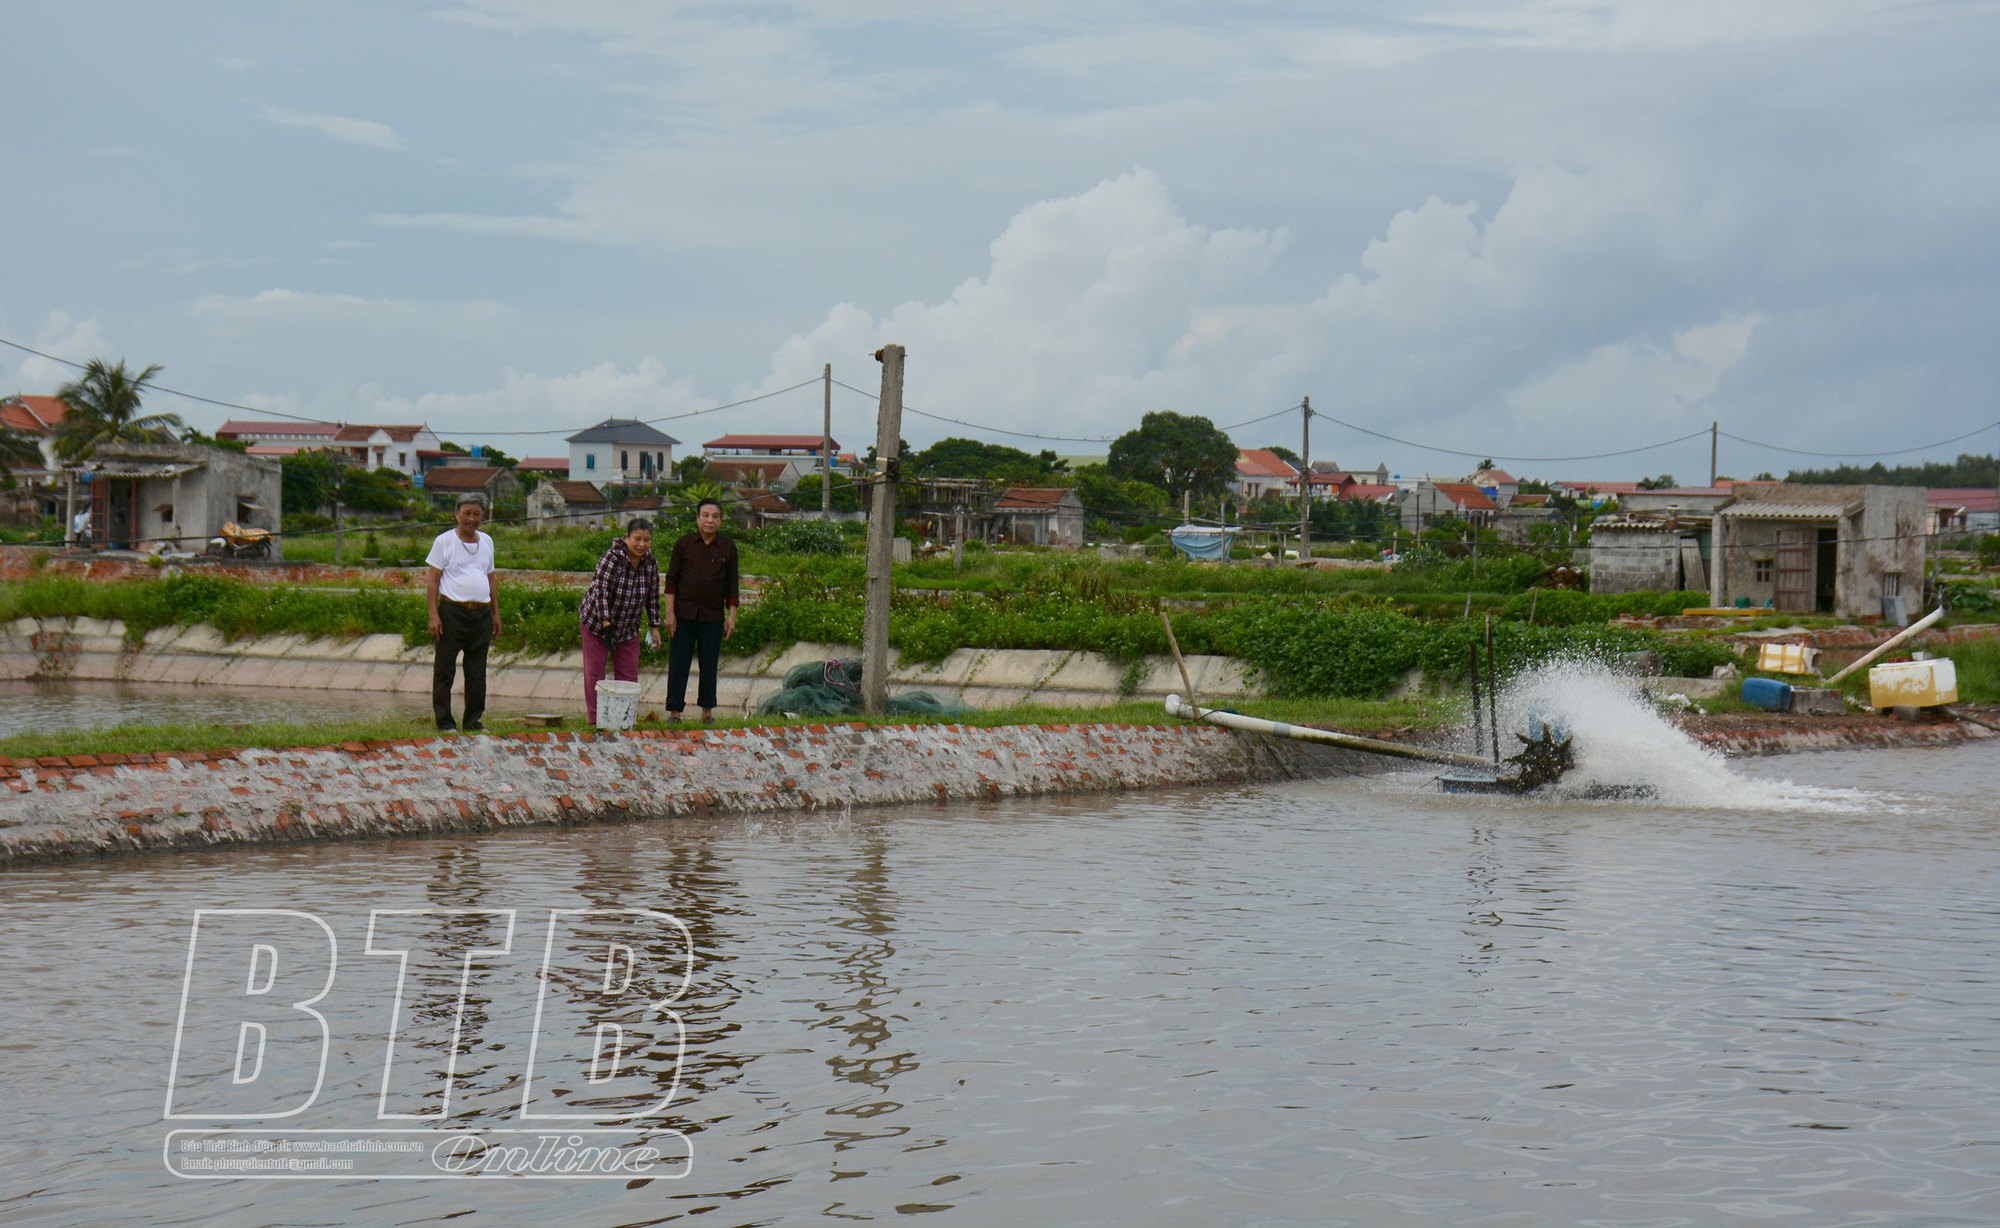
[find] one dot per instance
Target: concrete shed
(1846, 550)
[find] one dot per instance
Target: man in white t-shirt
(464, 597)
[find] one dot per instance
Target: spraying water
(1622, 742)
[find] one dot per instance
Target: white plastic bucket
(617, 704)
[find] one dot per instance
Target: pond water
(1774, 997)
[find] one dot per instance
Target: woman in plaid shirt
(624, 590)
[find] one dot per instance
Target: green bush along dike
(1310, 645)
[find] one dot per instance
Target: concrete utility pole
(826, 443)
(1711, 453)
(1305, 479)
(882, 534)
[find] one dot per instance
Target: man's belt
(470, 605)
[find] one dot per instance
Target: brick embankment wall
(82, 805)
(1781, 735)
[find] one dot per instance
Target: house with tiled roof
(1432, 501)
(446, 483)
(1499, 485)
(621, 451)
(779, 460)
(399, 447)
(560, 502)
(1964, 509)
(1262, 474)
(39, 418)
(1321, 484)
(543, 466)
(1040, 515)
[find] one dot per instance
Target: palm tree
(16, 448)
(104, 408)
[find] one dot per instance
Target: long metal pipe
(1890, 643)
(1308, 733)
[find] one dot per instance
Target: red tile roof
(737, 472)
(35, 415)
(1499, 477)
(642, 503)
(1467, 496)
(1367, 492)
(1530, 501)
(754, 500)
(1971, 498)
(1264, 463)
(461, 477)
(249, 426)
(538, 464)
(574, 492)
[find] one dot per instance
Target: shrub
(804, 537)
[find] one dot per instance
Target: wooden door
(1795, 569)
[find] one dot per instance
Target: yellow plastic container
(1915, 684)
(1787, 659)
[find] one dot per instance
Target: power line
(278, 413)
(1495, 456)
(1861, 455)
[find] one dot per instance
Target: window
(1760, 570)
(660, 461)
(590, 461)
(1892, 584)
(624, 461)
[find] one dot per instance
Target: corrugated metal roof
(1776, 510)
(139, 468)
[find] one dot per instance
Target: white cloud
(366, 132)
(63, 337)
(1078, 320)
(524, 401)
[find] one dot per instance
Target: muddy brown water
(1355, 1002)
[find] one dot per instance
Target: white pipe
(1309, 733)
(1889, 643)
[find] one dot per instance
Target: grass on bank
(1352, 716)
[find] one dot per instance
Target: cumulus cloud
(1079, 317)
(65, 337)
(366, 132)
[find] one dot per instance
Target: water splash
(1623, 741)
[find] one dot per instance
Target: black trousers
(469, 632)
(690, 635)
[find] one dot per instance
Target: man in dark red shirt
(701, 586)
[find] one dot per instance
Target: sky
(1556, 233)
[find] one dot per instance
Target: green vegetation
(1978, 667)
(1967, 470)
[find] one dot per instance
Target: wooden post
(1478, 741)
(1305, 481)
(882, 534)
(826, 443)
(1492, 692)
(69, 509)
(1174, 646)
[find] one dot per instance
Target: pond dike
(57, 807)
(96, 650)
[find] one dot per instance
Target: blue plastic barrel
(1768, 693)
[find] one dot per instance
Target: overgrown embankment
(1324, 645)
